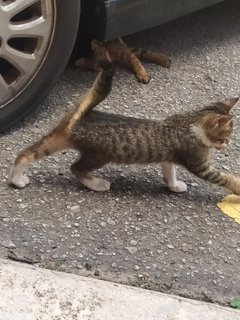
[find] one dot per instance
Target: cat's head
(215, 126)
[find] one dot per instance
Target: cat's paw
(164, 61)
(80, 63)
(19, 181)
(87, 64)
(143, 77)
(236, 188)
(102, 185)
(179, 186)
(96, 184)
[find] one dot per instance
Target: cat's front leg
(138, 69)
(169, 174)
(121, 53)
(153, 57)
(87, 63)
(234, 185)
(225, 180)
(211, 174)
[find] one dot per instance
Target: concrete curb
(30, 293)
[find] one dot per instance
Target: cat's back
(105, 122)
(99, 117)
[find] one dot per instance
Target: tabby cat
(130, 57)
(184, 139)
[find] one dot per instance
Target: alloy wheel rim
(26, 31)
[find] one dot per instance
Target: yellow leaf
(230, 205)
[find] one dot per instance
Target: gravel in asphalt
(138, 233)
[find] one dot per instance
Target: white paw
(19, 181)
(96, 184)
(179, 186)
(102, 185)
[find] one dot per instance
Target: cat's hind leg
(169, 174)
(49, 144)
(152, 57)
(82, 170)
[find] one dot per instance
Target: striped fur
(184, 139)
(130, 57)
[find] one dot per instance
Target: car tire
(66, 15)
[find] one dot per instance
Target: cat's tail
(97, 93)
(58, 139)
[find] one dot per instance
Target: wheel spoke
(35, 28)
(17, 6)
(4, 89)
(23, 62)
(26, 29)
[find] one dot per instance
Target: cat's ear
(100, 51)
(222, 120)
(95, 43)
(228, 103)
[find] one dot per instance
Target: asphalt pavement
(138, 233)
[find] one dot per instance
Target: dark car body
(109, 19)
(124, 17)
(37, 39)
